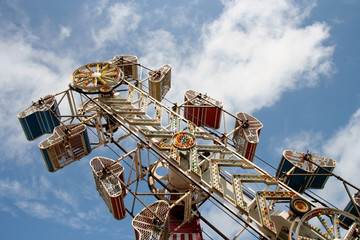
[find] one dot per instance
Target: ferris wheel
(185, 155)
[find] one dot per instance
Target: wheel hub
(96, 74)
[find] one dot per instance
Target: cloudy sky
(292, 64)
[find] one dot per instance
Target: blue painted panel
(47, 160)
(319, 182)
(87, 141)
(298, 183)
(31, 126)
(39, 122)
(283, 167)
(350, 208)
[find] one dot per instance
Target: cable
(202, 230)
(232, 218)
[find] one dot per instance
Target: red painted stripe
(186, 236)
(118, 207)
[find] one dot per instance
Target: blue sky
(292, 64)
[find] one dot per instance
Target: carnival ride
(186, 156)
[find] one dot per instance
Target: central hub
(96, 74)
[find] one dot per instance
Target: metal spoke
(88, 67)
(324, 223)
(336, 226)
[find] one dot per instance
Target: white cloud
(303, 141)
(14, 189)
(54, 212)
(337, 20)
(344, 147)
(7, 209)
(228, 226)
(159, 48)
(30, 73)
(100, 6)
(36, 209)
(20, 16)
(65, 197)
(64, 32)
(37, 200)
(122, 18)
(218, 218)
(260, 49)
(44, 182)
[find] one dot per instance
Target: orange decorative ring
(97, 77)
(183, 140)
